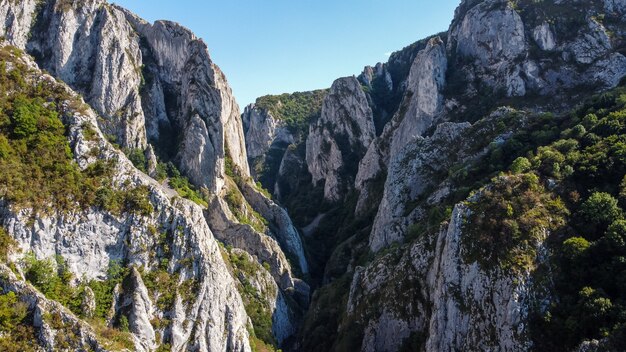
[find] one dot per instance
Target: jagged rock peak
(215, 317)
(260, 130)
(370, 74)
(340, 137)
(489, 33)
(420, 108)
(151, 83)
(179, 64)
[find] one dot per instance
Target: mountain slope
(161, 100)
(466, 195)
(119, 218)
(417, 249)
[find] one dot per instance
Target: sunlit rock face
(155, 88)
(340, 137)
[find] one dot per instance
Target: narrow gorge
(466, 195)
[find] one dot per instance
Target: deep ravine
(466, 195)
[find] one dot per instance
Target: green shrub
(25, 115)
(138, 158)
(574, 247)
(123, 324)
(15, 333)
(600, 210)
(138, 200)
(162, 284)
(54, 279)
(12, 312)
(103, 290)
(521, 165)
(7, 243)
(616, 236)
(181, 184)
(508, 221)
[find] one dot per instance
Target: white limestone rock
(544, 37)
(262, 130)
(340, 137)
(411, 173)
(89, 239)
(264, 248)
(280, 225)
(424, 97)
(490, 32)
(284, 321)
(92, 47)
(379, 71)
(141, 311)
(473, 306)
(18, 18)
(420, 108)
(199, 101)
(591, 43)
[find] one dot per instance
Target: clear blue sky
(281, 46)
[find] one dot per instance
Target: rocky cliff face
(421, 104)
(340, 136)
(262, 130)
(448, 303)
(148, 82)
(184, 83)
(154, 88)
(402, 180)
(437, 111)
(90, 241)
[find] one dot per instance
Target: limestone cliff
(154, 89)
(91, 240)
(149, 82)
(339, 137)
(440, 110)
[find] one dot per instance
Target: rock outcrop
(96, 51)
(340, 137)
(448, 303)
(262, 131)
(422, 103)
(412, 172)
(280, 225)
(187, 95)
(90, 240)
(149, 82)
(18, 19)
(43, 310)
(437, 108)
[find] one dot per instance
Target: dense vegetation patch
(586, 166)
(55, 281)
(37, 169)
(256, 305)
(170, 173)
(16, 333)
(239, 207)
(565, 176)
(296, 109)
(511, 218)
